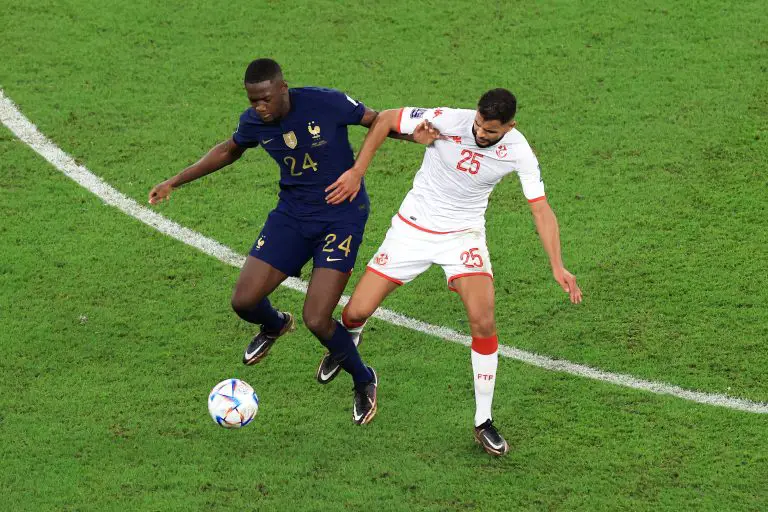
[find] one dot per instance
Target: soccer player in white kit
(442, 221)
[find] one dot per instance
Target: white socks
(485, 360)
(354, 329)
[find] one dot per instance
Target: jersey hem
(413, 225)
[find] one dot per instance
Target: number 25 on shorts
(471, 258)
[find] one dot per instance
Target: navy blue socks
(344, 352)
(263, 314)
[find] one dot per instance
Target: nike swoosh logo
(325, 376)
(333, 259)
(249, 355)
(267, 141)
(357, 417)
(494, 446)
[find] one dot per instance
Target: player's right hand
(567, 282)
(426, 133)
(160, 192)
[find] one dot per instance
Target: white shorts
(409, 250)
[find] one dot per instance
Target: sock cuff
(485, 346)
(347, 323)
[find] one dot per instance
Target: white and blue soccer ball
(233, 403)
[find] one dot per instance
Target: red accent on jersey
(501, 151)
(453, 278)
(385, 276)
(425, 229)
(455, 138)
(537, 199)
(485, 346)
(399, 119)
(347, 323)
(438, 111)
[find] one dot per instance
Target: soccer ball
(233, 403)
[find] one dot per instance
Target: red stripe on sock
(347, 323)
(485, 346)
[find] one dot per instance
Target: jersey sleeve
(410, 117)
(347, 110)
(246, 135)
(528, 170)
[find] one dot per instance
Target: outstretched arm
(549, 232)
(348, 184)
(219, 156)
(370, 117)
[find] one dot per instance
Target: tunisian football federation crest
(290, 140)
(382, 259)
(501, 151)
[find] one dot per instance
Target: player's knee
(319, 325)
(240, 302)
(353, 315)
(482, 326)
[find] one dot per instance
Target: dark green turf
(650, 124)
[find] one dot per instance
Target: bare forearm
(549, 232)
(375, 137)
(219, 156)
(401, 136)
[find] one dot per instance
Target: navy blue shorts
(288, 243)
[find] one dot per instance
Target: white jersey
(450, 192)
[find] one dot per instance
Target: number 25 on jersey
(473, 167)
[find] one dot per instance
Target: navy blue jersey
(311, 146)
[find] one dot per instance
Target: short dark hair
(260, 70)
(497, 104)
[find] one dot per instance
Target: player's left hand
(567, 282)
(426, 133)
(345, 187)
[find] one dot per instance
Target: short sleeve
(246, 135)
(529, 172)
(410, 117)
(347, 110)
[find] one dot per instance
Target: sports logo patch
(290, 139)
(501, 151)
(382, 259)
(417, 113)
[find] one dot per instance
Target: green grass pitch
(650, 120)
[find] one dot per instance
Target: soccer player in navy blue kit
(305, 131)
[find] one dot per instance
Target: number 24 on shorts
(343, 246)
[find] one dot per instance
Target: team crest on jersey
(438, 111)
(260, 243)
(455, 138)
(313, 130)
(501, 151)
(382, 259)
(417, 113)
(290, 139)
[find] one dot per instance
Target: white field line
(30, 135)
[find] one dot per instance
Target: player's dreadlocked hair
(261, 70)
(497, 105)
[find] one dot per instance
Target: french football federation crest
(290, 139)
(314, 130)
(260, 243)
